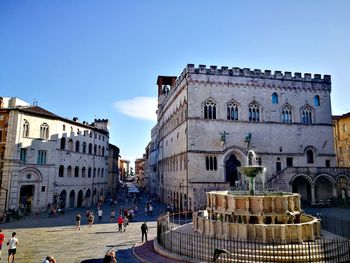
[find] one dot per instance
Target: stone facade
(52, 160)
(113, 170)
(341, 139)
(208, 118)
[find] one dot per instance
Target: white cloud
(138, 107)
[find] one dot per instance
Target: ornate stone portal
(249, 216)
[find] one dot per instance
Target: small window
(69, 171)
(274, 98)
(64, 127)
(317, 100)
(84, 147)
(89, 172)
(310, 156)
(61, 171)
(289, 162)
(328, 163)
(77, 146)
(76, 171)
(23, 155)
(63, 143)
(43, 189)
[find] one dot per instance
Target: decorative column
(313, 199)
(335, 190)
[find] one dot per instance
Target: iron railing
(186, 243)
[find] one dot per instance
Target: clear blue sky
(101, 58)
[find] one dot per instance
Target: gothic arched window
(232, 111)
(25, 128)
(286, 114)
(306, 115)
(254, 111)
(44, 131)
(209, 110)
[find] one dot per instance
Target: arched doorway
(94, 196)
(80, 199)
(302, 186)
(26, 198)
(71, 199)
(231, 169)
(323, 188)
(342, 187)
(62, 201)
(88, 198)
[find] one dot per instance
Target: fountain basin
(265, 217)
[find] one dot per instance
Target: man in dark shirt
(144, 231)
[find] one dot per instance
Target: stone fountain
(259, 216)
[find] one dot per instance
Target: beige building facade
(209, 117)
(51, 160)
(342, 139)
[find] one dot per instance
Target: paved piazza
(40, 236)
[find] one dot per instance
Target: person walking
(12, 243)
(77, 221)
(91, 219)
(120, 223)
(100, 212)
(125, 223)
(144, 231)
(112, 215)
(2, 238)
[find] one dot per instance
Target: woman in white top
(12, 243)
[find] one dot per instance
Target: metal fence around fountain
(175, 235)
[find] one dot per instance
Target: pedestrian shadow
(105, 232)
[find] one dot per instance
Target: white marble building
(52, 160)
(208, 117)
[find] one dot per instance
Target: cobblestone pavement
(40, 236)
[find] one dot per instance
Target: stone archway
(80, 199)
(63, 198)
(323, 188)
(342, 187)
(231, 171)
(88, 198)
(71, 199)
(27, 193)
(302, 186)
(29, 184)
